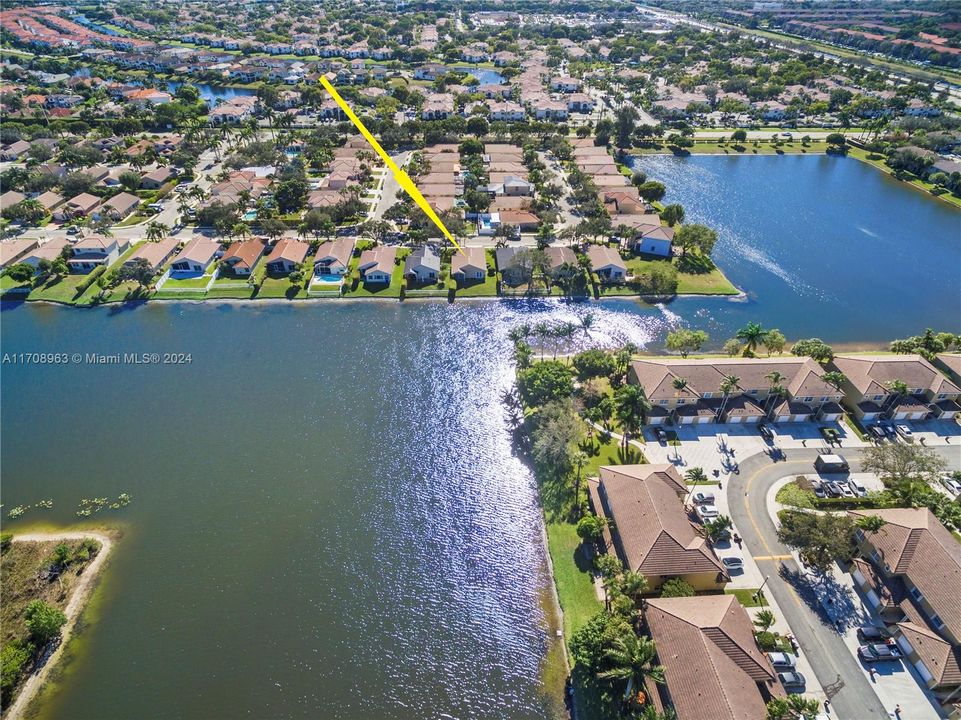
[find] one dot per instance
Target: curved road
(836, 668)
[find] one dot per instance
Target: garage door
(873, 598)
(686, 420)
(905, 645)
(923, 671)
(753, 419)
(703, 420)
(734, 419)
(900, 416)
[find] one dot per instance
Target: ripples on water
(354, 464)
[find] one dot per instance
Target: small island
(47, 579)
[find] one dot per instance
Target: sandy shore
(78, 600)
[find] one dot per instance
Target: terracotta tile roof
(940, 658)
(803, 375)
(713, 667)
(293, 251)
(653, 534)
(243, 254)
(870, 374)
(914, 543)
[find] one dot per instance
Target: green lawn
(486, 288)
(712, 282)
(377, 289)
(572, 576)
(912, 180)
(603, 449)
(64, 290)
(745, 596)
(281, 288)
(224, 293)
(764, 147)
(191, 283)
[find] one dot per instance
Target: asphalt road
(836, 668)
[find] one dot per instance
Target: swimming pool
(327, 278)
(250, 215)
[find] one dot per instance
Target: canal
(328, 517)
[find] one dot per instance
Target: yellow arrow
(403, 179)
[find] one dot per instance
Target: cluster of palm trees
(753, 335)
(555, 333)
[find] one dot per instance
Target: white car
(733, 563)
(952, 485)
(905, 432)
(703, 498)
(707, 512)
(857, 487)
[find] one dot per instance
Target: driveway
(835, 667)
(389, 189)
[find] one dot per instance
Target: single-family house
(514, 265)
(78, 206)
(196, 256)
(287, 256)
(422, 266)
(377, 264)
(156, 179)
(241, 257)
(561, 261)
(11, 198)
(118, 207)
(469, 265)
(13, 251)
(651, 239)
(607, 263)
(333, 257)
(48, 251)
(155, 253)
(649, 527)
(93, 251)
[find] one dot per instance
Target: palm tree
(630, 658)
(751, 335)
(579, 460)
(764, 620)
(632, 407)
(156, 230)
(897, 389)
(728, 384)
(695, 475)
(587, 322)
(775, 378)
(542, 330)
(835, 379)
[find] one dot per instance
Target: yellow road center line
(403, 179)
(772, 557)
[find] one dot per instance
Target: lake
(485, 76)
(822, 245)
(328, 519)
(213, 94)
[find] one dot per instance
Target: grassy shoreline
(83, 577)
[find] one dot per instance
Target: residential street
(837, 669)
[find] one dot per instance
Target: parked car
(952, 485)
(877, 431)
(733, 563)
(660, 435)
(818, 487)
(830, 435)
(765, 431)
(782, 660)
(703, 498)
(846, 490)
(792, 680)
(707, 512)
(872, 634)
(905, 432)
(833, 489)
(73, 230)
(889, 430)
(879, 652)
(857, 487)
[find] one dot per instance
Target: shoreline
(74, 610)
